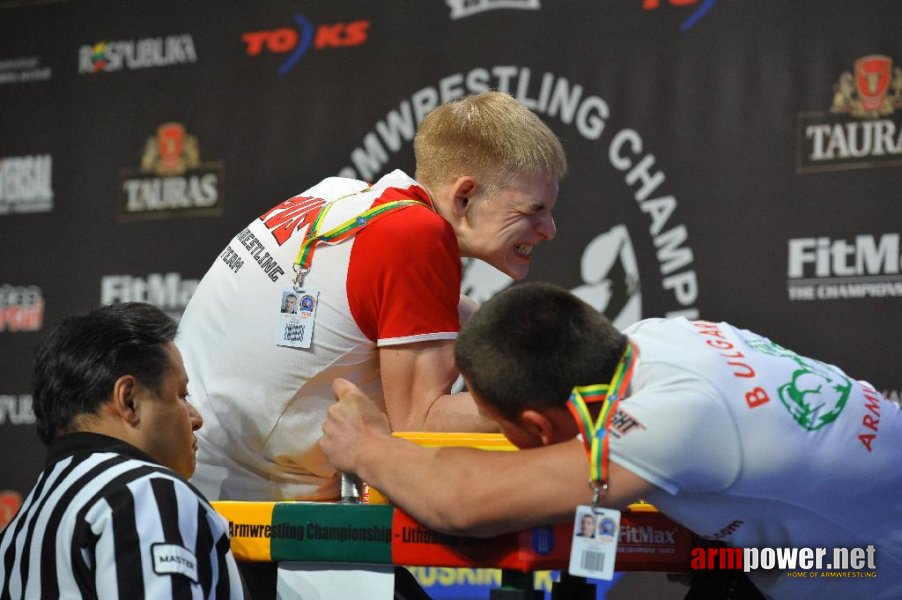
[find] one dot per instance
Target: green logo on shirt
(817, 393)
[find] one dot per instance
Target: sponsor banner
(824, 268)
(171, 181)
(23, 69)
(21, 308)
(383, 534)
(467, 8)
(863, 128)
(16, 409)
(169, 292)
(111, 56)
(26, 184)
(300, 36)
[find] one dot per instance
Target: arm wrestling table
(371, 533)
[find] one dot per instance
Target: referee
(112, 514)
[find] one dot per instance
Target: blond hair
(490, 136)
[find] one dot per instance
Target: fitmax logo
(703, 8)
(296, 42)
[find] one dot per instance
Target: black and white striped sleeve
(154, 538)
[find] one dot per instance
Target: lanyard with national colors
(595, 435)
(341, 232)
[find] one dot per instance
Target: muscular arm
(416, 380)
(461, 490)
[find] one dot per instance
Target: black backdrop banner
(731, 160)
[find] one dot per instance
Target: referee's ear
(124, 401)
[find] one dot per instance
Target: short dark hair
(78, 362)
(531, 344)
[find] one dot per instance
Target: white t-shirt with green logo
(758, 446)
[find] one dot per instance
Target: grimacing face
(505, 228)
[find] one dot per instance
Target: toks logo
(862, 128)
(171, 180)
(298, 41)
(700, 12)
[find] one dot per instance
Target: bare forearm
(457, 412)
(472, 492)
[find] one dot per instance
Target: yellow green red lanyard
(595, 435)
(341, 232)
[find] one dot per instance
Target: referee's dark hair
(531, 344)
(78, 362)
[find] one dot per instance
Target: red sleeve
(404, 278)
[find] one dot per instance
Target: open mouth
(523, 249)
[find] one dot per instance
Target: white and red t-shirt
(757, 446)
(396, 281)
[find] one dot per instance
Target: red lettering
(282, 40)
(278, 40)
(866, 439)
(653, 4)
(697, 559)
(870, 422)
(340, 35)
(756, 397)
(298, 213)
(872, 405)
(355, 33)
(329, 35)
(254, 41)
(719, 344)
(746, 372)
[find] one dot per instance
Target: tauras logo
(609, 270)
(172, 180)
(467, 8)
(26, 184)
(862, 128)
(867, 266)
(136, 54)
(169, 292)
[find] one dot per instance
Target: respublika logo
(21, 308)
(862, 128)
(609, 270)
(26, 184)
(107, 57)
(704, 6)
(171, 181)
(467, 8)
(822, 268)
(169, 292)
(296, 41)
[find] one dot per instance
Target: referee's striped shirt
(104, 520)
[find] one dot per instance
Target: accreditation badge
(297, 315)
(594, 547)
